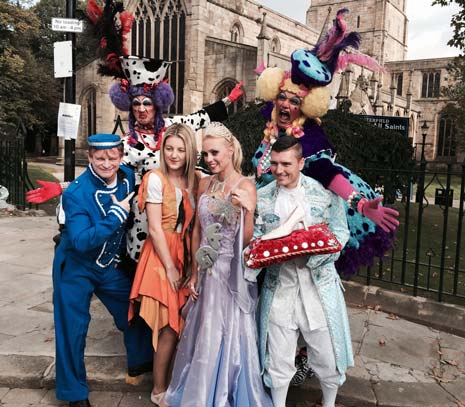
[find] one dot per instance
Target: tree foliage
(28, 90)
(457, 22)
(456, 93)
(456, 69)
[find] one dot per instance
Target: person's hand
(385, 218)
(173, 277)
(242, 198)
(236, 93)
(47, 191)
(192, 285)
(125, 203)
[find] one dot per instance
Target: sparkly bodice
(219, 210)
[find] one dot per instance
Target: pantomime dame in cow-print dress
(147, 125)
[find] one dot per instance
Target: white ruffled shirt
(295, 281)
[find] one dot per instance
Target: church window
(446, 137)
(358, 21)
(89, 112)
(430, 87)
(223, 90)
(275, 45)
(397, 80)
(236, 33)
(159, 32)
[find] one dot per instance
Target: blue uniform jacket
(95, 228)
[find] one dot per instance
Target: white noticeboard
(63, 59)
(67, 24)
(68, 120)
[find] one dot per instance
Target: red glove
(47, 191)
(385, 218)
(236, 93)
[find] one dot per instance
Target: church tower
(381, 23)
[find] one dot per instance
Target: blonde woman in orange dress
(157, 295)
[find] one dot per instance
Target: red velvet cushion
(316, 239)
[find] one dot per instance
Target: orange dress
(159, 304)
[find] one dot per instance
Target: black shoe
(140, 369)
(80, 403)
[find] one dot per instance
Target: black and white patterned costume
(143, 155)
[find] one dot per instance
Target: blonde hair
(219, 130)
(273, 80)
(186, 134)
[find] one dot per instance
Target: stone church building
(216, 43)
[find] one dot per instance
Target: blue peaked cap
(104, 141)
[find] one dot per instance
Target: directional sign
(67, 25)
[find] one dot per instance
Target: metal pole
(70, 95)
(421, 189)
(459, 231)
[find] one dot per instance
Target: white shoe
(158, 399)
(297, 216)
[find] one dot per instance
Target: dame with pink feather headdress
(297, 99)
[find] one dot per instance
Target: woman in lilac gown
(217, 360)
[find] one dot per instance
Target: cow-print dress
(144, 155)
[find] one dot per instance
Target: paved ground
(398, 363)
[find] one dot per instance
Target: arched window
(446, 136)
(89, 112)
(411, 130)
(275, 45)
(159, 32)
(223, 89)
(236, 32)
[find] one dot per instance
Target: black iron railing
(13, 165)
(427, 258)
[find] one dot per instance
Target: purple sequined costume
(217, 359)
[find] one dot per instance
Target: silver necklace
(219, 186)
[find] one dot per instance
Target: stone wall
(381, 24)
(105, 111)
(214, 56)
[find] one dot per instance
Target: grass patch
(42, 173)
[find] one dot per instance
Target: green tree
(45, 10)
(28, 91)
(457, 22)
(456, 69)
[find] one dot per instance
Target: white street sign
(63, 59)
(67, 25)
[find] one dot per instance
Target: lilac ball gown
(217, 359)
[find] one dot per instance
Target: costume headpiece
(138, 76)
(316, 67)
(140, 71)
(311, 70)
(104, 141)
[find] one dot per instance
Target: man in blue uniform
(96, 205)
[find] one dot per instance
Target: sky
(428, 31)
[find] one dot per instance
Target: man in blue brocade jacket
(304, 295)
(96, 205)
